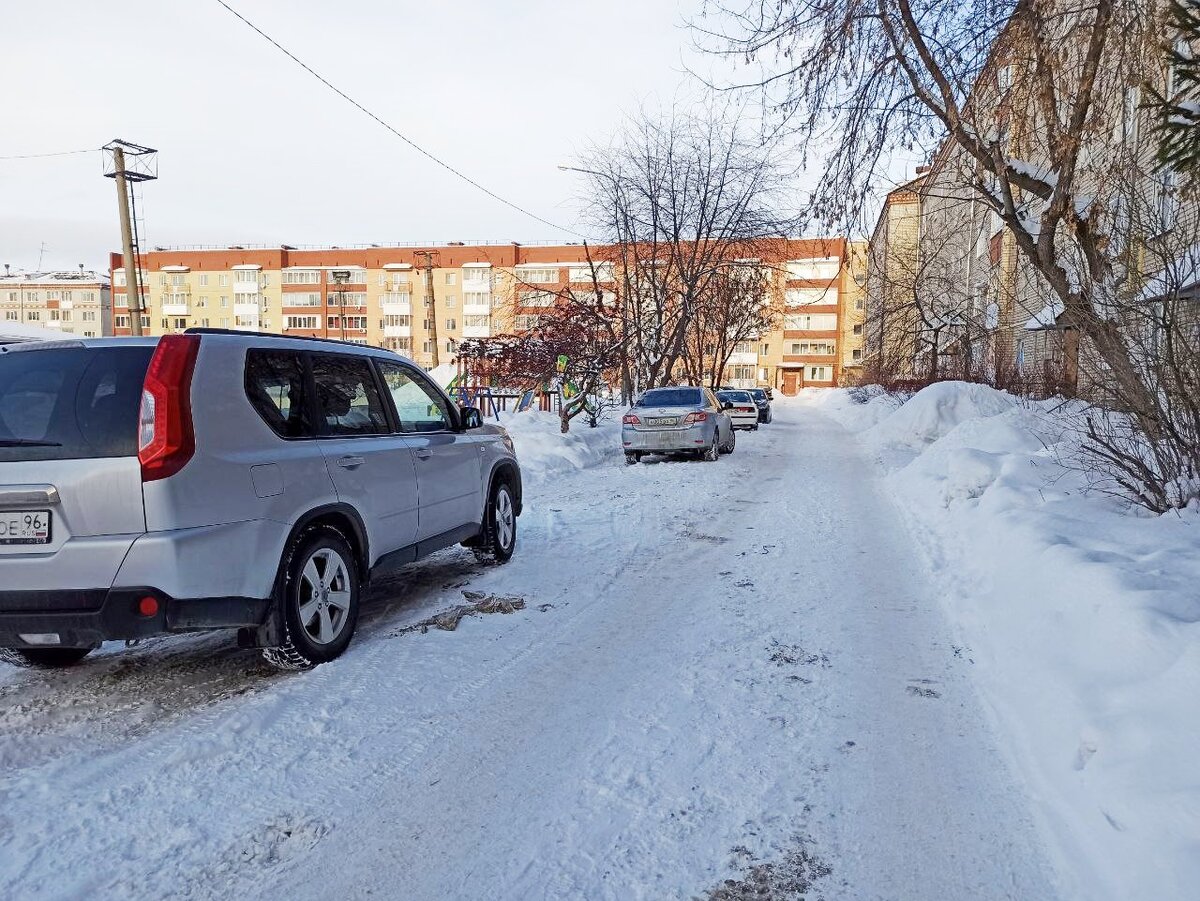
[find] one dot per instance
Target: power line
(402, 137)
(36, 156)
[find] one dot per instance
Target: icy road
(727, 678)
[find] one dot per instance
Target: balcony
(476, 331)
(397, 331)
(396, 308)
(246, 309)
(477, 309)
(175, 308)
(743, 359)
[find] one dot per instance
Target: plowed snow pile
(1081, 615)
(545, 452)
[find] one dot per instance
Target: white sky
(253, 149)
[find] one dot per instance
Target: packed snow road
(727, 677)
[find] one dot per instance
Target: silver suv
(218, 480)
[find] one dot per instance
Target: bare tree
(577, 342)
(741, 305)
(1035, 102)
(680, 198)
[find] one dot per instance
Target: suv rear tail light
(630, 419)
(166, 440)
(695, 417)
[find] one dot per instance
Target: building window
(11, 315)
(203, 279)
(810, 322)
(525, 323)
(223, 280)
(856, 354)
(451, 278)
(355, 323)
(302, 299)
(245, 277)
(178, 281)
(33, 315)
(538, 299)
(475, 321)
(822, 268)
(820, 373)
(450, 301)
(812, 348)
(427, 347)
(309, 323)
(451, 324)
(766, 349)
(224, 299)
(537, 276)
(858, 329)
(301, 277)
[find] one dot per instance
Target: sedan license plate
(661, 420)
(24, 526)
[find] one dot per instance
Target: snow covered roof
(65, 276)
(1046, 318)
(15, 333)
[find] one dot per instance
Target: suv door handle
(423, 453)
(350, 462)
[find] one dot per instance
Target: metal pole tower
(128, 163)
(429, 300)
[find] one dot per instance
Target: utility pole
(429, 300)
(142, 165)
(340, 278)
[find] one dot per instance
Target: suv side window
(418, 407)
(348, 401)
(275, 388)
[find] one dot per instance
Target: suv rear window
(70, 403)
(671, 397)
(275, 388)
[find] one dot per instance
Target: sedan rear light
(166, 439)
(630, 419)
(695, 417)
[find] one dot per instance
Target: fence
(493, 401)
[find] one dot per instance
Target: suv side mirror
(470, 417)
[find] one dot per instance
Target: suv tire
(317, 600)
(44, 658)
(499, 538)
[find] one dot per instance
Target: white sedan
(742, 410)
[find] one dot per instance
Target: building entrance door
(791, 381)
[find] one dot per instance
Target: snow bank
(1082, 617)
(545, 452)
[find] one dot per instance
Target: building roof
(54, 277)
(15, 333)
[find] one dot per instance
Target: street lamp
(340, 278)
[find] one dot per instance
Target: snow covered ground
(1082, 618)
(725, 676)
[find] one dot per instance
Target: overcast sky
(253, 149)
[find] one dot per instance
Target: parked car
(677, 420)
(763, 402)
(741, 407)
(228, 480)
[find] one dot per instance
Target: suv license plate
(670, 420)
(24, 526)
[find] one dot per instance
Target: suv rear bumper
(107, 615)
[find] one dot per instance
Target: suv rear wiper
(28, 442)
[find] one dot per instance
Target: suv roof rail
(278, 337)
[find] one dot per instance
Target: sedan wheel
(714, 451)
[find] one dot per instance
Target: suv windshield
(758, 393)
(671, 397)
(67, 403)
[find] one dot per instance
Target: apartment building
(377, 295)
(72, 302)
